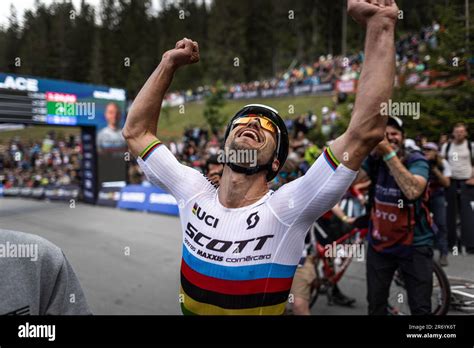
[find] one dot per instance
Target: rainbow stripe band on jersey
(330, 158)
(149, 149)
(221, 290)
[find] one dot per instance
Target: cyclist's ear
(275, 165)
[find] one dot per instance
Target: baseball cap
(430, 146)
(395, 122)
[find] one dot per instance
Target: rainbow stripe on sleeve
(330, 158)
(149, 149)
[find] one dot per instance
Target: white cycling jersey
(242, 260)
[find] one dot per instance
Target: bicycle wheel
(440, 298)
(462, 294)
(443, 297)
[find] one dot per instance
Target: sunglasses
(265, 123)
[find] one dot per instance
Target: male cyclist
(242, 242)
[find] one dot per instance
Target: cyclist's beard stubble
(249, 155)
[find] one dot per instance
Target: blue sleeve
(420, 167)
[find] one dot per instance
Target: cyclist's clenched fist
(185, 52)
(364, 11)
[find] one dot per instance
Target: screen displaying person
(110, 138)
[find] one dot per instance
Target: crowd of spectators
(56, 160)
(412, 60)
(53, 161)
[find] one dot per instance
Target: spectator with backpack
(460, 193)
(400, 233)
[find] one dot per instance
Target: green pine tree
(215, 101)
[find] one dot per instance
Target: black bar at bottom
(449, 330)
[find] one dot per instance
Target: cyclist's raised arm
(142, 119)
(157, 162)
(367, 126)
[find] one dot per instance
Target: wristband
(389, 156)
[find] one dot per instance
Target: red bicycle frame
(329, 272)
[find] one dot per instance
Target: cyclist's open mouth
(250, 133)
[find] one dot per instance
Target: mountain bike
(330, 270)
